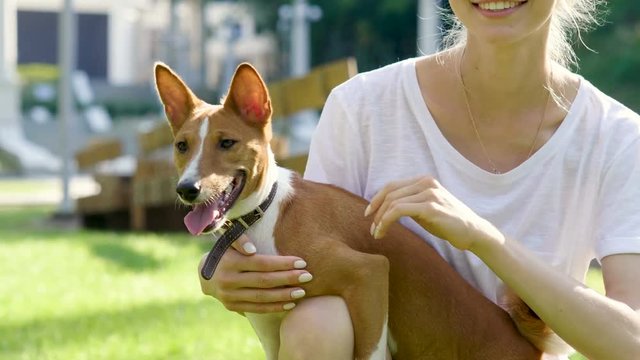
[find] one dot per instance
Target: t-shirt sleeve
(618, 227)
(335, 154)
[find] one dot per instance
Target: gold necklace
(494, 168)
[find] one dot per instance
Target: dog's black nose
(188, 190)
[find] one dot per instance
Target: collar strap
(231, 230)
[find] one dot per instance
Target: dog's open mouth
(210, 214)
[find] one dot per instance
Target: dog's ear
(248, 96)
(178, 100)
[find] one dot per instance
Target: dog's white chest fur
(261, 233)
(267, 326)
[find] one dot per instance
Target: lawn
(101, 295)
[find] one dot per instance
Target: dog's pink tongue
(199, 218)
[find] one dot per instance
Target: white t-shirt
(575, 199)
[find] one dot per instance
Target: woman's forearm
(596, 326)
(599, 327)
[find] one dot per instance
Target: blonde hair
(568, 20)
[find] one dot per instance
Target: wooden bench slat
(277, 99)
(98, 150)
(158, 137)
(310, 91)
(304, 93)
(296, 163)
(337, 72)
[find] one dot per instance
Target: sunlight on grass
(100, 295)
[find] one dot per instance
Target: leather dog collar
(231, 231)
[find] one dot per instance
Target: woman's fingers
(234, 260)
(263, 262)
(256, 283)
(258, 308)
(262, 296)
(415, 192)
(244, 245)
(432, 207)
(263, 280)
(411, 206)
(380, 197)
(268, 263)
(395, 196)
(258, 271)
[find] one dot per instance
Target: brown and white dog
(400, 293)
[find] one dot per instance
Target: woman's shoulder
(605, 126)
(377, 82)
(612, 115)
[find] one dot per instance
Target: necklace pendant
(496, 171)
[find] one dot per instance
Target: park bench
(154, 205)
(309, 92)
(109, 209)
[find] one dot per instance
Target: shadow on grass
(22, 217)
(148, 323)
(124, 256)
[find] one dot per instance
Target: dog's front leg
(362, 280)
(367, 297)
(267, 327)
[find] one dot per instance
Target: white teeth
(498, 5)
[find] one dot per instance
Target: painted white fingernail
(373, 229)
(300, 264)
(367, 211)
(249, 248)
(288, 306)
(297, 294)
(306, 277)
(376, 232)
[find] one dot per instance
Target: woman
(515, 169)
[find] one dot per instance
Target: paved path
(16, 191)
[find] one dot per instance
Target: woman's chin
(505, 35)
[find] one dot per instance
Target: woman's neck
(505, 77)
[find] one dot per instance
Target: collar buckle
(224, 228)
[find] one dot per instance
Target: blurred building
(118, 40)
(233, 38)
(117, 43)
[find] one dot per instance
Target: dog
(399, 292)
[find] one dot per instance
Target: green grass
(100, 295)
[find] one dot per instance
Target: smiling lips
(497, 5)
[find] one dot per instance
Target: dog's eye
(182, 147)
(226, 144)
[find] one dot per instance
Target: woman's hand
(247, 282)
(434, 208)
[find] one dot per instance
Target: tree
(612, 59)
(375, 32)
